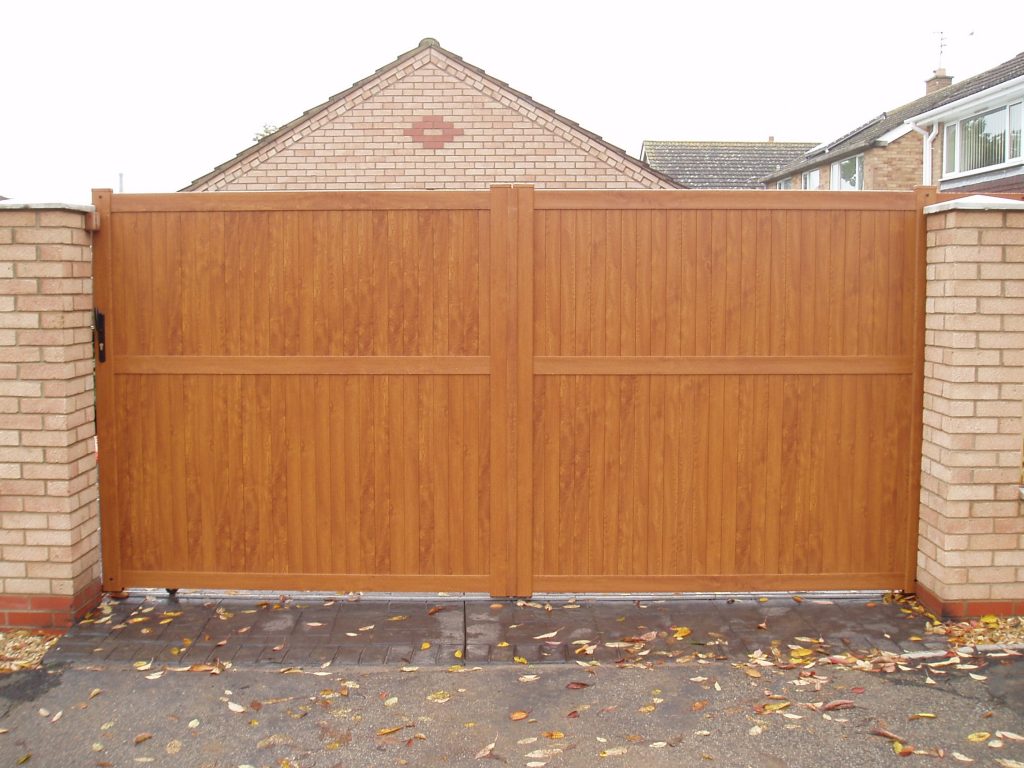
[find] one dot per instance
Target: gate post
(511, 344)
(49, 513)
(971, 558)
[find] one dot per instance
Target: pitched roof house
(430, 120)
(963, 136)
(722, 164)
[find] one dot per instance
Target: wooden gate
(510, 391)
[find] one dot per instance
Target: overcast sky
(163, 92)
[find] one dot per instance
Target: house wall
(971, 543)
(49, 515)
(364, 142)
(895, 166)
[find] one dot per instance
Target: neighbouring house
(960, 137)
(722, 164)
(430, 120)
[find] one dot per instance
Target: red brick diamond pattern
(432, 131)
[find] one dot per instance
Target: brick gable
(430, 121)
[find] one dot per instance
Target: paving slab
(300, 630)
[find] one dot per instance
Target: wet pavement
(444, 630)
(320, 682)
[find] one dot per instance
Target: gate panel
(300, 392)
(724, 390)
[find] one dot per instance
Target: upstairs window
(848, 174)
(983, 141)
(810, 179)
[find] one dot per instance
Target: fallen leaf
(173, 747)
(547, 635)
(838, 704)
(424, 645)
(1009, 735)
(518, 715)
(902, 749)
(235, 707)
(698, 706)
(391, 701)
(389, 731)
(613, 752)
(57, 717)
(576, 685)
(1005, 763)
(528, 678)
(921, 716)
(143, 737)
(439, 697)
(314, 624)
(554, 735)
(24, 758)
(757, 730)
(962, 757)
(680, 632)
(979, 736)
(193, 723)
(542, 753)
(486, 751)
(519, 660)
(95, 692)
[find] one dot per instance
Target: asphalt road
(674, 714)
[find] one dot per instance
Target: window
(784, 184)
(983, 141)
(848, 174)
(811, 179)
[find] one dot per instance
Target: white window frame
(784, 183)
(814, 173)
(957, 132)
(834, 178)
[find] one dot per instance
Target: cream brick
(27, 586)
(1013, 591)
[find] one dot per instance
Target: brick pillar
(49, 513)
(971, 546)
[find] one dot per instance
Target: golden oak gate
(511, 390)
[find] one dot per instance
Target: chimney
(938, 80)
(771, 139)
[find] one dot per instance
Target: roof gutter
(926, 156)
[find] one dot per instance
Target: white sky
(163, 92)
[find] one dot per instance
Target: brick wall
(895, 166)
(49, 517)
(373, 138)
(971, 545)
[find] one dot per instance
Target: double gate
(510, 390)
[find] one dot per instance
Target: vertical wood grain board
(510, 391)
